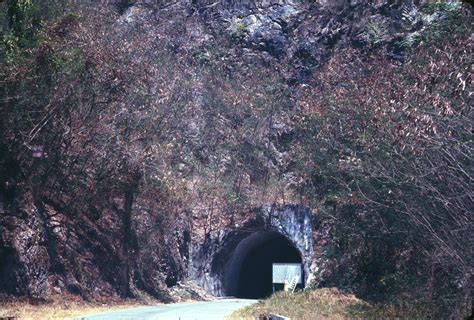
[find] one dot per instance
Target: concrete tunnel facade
(238, 263)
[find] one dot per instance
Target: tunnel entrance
(255, 280)
(249, 271)
(225, 263)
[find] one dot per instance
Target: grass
(58, 310)
(325, 303)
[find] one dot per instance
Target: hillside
(144, 141)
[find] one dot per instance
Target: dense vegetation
(137, 125)
(393, 165)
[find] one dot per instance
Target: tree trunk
(130, 191)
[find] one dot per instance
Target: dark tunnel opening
(251, 276)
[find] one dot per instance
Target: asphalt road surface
(212, 310)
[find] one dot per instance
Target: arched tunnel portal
(248, 273)
(238, 260)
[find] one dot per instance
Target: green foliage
(375, 32)
(437, 7)
(238, 28)
(19, 13)
(18, 33)
(440, 20)
(10, 49)
(72, 62)
(22, 23)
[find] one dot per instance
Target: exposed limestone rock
(215, 264)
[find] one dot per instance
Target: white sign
(282, 272)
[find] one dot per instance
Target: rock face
(44, 253)
(305, 33)
(44, 249)
(298, 36)
(215, 265)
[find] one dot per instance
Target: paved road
(213, 310)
